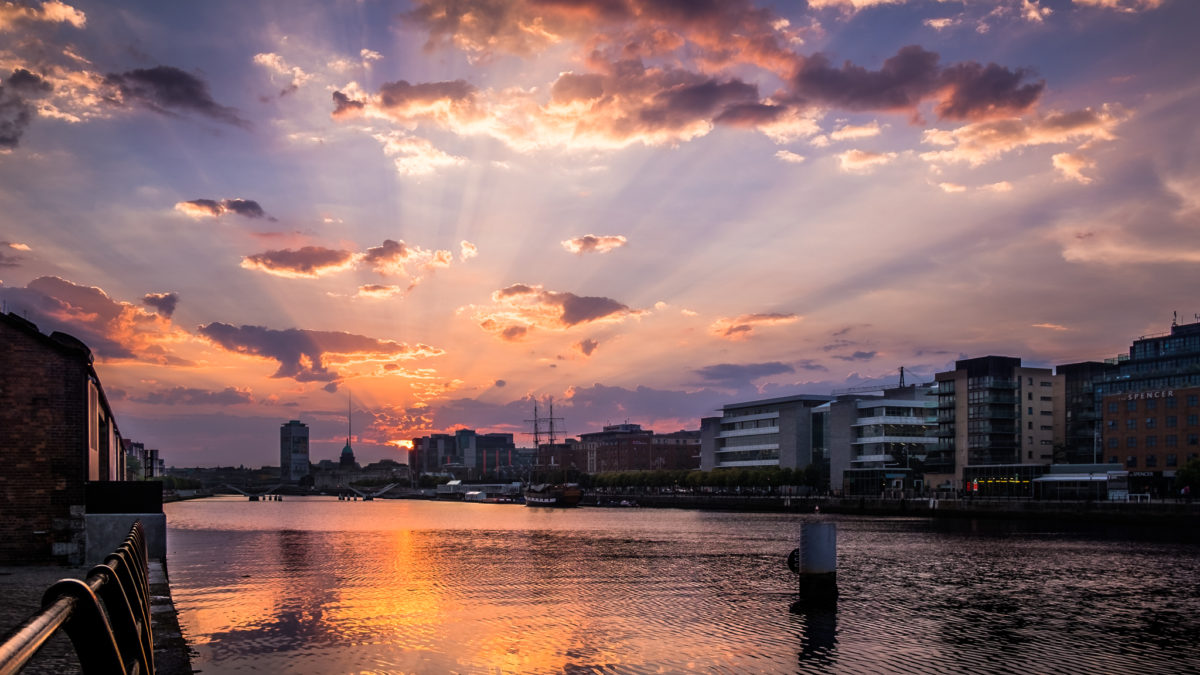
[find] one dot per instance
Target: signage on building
(1161, 393)
(1143, 474)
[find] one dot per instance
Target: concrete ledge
(107, 531)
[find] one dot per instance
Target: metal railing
(106, 615)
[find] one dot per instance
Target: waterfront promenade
(22, 588)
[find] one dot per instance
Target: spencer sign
(1161, 393)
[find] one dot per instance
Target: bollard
(815, 561)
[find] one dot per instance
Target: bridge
(365, 496)
(267, 495)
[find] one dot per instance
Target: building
(58, 437)
(774, 432)
(484, 455)
(994, 412)
(293, 451)
(1155, 363)
(1152, 433)
(878, 442)
(628, 447)
(1081, 443)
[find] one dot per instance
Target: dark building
(57, 436)
(1156, 362)
(1081, 443)
(628, 447)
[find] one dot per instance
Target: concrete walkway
(22, 587)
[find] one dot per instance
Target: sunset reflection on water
(321, 586)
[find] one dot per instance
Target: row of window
(1170, 421)
(1170, 441)
(1151, 461)
(750, 424)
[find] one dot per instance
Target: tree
(133, 467)
(1188, 476)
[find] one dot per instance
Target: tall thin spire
(349, 413)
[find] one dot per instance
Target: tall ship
(559, 495)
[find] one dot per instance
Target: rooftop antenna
(1174, 318)
(901, 377)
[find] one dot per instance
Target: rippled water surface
(315, 585)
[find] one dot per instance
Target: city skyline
(643, 209)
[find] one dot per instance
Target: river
(317, 585)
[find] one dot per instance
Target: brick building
(1152, 433)
(57, 435)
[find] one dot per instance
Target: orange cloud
(519, 309)
(13, 14)
(309, 262)
(862, 161)
(981, 142)
(594, 243)
(742, 327)
(1071, 165)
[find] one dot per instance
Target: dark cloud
(968, 90)
(16, 112)
(587, 346)
(166, 90)
(856, 356)
(401, 94)
(344, 106)
(390, 251)
(581, 309)
(301, 353)
(500, 383)
(514, 333)
(726, 374)
(192, 396)
(309, 261)
(515, 289)
(111, 329)
(28, 83)
(213, 208)
(164, 303)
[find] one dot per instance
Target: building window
(1112, 459)
(1172, 440)
(1112, 424)
(1112, 406)
(1172, 460)
(1131, 405)
(1151, 441)
(1031, 410)
(1151, 461)
(1113, 442)
(1046, 384)
(1046, 427)
(1172, 421)
(1131, 462)
(1193, 420)
(1191, 400)
(1131, 424)
(1031, 426)
(1193, 439)
(1150, 422)
(1171, 402)
(1030, 396)
(1131, 442)
(1151, 404)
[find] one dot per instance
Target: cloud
(1071, 165)
(110, 328)
(940, 24)
(789, 156)
(962, 91)
(345, 107)
(587, 346)
(981, 142)
(1122, 5)
(856, 356)
(952, 187)
(378, 291)
(520, 308)
(13, 15)
(742, 327)
(1002, 186)
(276, 64)
(16, 110)
(307, 262)
(852, 132)
(500, 383)
(413, 156)
(192, 396)
(164, 303)
(165, 90)
(1050, 326)
(466, 250)
(594, 243)
(306, 355)
(739, 375)
(862, 161)
(11, 260)
(396, 258)
(212, 208)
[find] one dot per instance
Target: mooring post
(815, 561)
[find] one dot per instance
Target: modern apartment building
(992, 411)
(774, 432)
(293, 451)
(1081, 443)
(1156, 362)
(876, 442)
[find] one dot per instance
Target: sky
(437, 212)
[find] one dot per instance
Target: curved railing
(106, 615)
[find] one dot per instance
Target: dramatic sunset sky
(643, 208)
